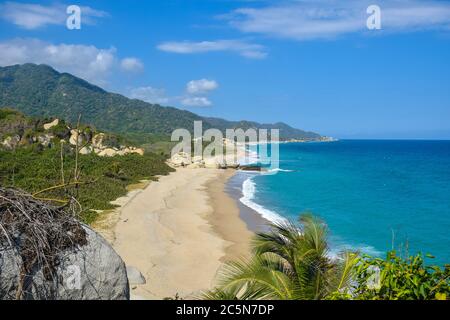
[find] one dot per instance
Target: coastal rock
(74, 135)
(97, 141)
(11, 142)
(52, 124)
(251, 168)
(197, 162)
(45, 140)
(135, 276)
(93, 272)
(180, 159)
(108, 152)
(233, 165)
(102, 150)
(86, 150)
(138, 151)
(211, 163)
(195, 166)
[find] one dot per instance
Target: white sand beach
(178, 231)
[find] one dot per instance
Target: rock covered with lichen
(46, 253)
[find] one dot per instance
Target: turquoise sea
(374, 195)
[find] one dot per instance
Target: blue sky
(312, 64)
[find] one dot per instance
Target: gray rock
(11, 142)
(92, 272)
(135, 276)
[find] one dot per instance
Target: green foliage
(6, 113)
(39, 90)
(290, 262)
(13, 122)
(401, 279)
(34, 170)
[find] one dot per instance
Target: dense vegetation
(398, 278)
(33, 166)
(291, 262)
(39, 90)
(103, 179)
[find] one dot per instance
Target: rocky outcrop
(92, 272)
(45, 140)
(101, 147)
(11, 142)
(74, 136)
(102, 144)
(97, 141)
(52, 124)
(182, 159)
(86, 150)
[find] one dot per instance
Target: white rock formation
(52, 124)
(180, 159)
(108, 152)
(74, 135)
(86, 150)
(11, 142)
(45, 140)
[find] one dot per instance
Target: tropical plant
(397, 278)
(290, 262)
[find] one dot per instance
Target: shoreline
(225, 219)
(178, 231)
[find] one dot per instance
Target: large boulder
(76, 137)
(180, 159)
(45, 140)
(11, 142)
(93, 271)
(97, 141)
(138, 151)
(108, 152)
(86, 150)
(52, 124)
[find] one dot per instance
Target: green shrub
(400, 279)
(34, 169)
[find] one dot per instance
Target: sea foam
(248, 191)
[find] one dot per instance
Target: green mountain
(39, 90)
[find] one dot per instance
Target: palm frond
(262, 273)
(290, 261)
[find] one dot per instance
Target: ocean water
(373, 195)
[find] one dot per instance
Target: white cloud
(245, 49)
(195, 96)
(308, 19)
(150, 94)
(196, 102)
(131, 65)
(32, 16)
(85, 61)
(201, 86)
